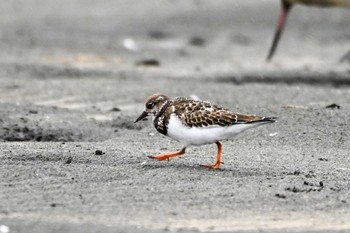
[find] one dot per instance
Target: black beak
(143, 115)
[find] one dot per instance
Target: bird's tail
(269, 119)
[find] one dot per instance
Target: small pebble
(280, 195)
(68, 160)
(148, 62)
(115, 109)
(99, 152)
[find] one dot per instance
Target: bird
(286, 6)
(196, 122)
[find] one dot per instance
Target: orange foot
(167, 156)
(214, 166)
(218, 161)
(159, 157)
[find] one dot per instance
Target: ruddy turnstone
(196, 123)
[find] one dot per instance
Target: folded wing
(204, 114)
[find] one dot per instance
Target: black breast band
(160, 126)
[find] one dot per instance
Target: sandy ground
(75, 74)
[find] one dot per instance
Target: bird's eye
(149, 105)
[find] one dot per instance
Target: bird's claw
(214, 166)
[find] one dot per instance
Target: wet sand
(75, 75)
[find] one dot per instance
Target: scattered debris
(99, 152)
(300, 190)
(320, 184)
(333, 106)
(295, 173)
(68, 160)
(308, 183)
(336, 189)
(280, 195)
(148, 62)
(314, 188)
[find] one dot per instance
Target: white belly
(204, 135)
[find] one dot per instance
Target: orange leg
(218, 161)
(167, 156)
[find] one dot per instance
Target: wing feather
(201, 114)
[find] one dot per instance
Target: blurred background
(185, 37)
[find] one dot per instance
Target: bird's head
(153, 105)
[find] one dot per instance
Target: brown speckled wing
(201, 114)
(241, 118)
